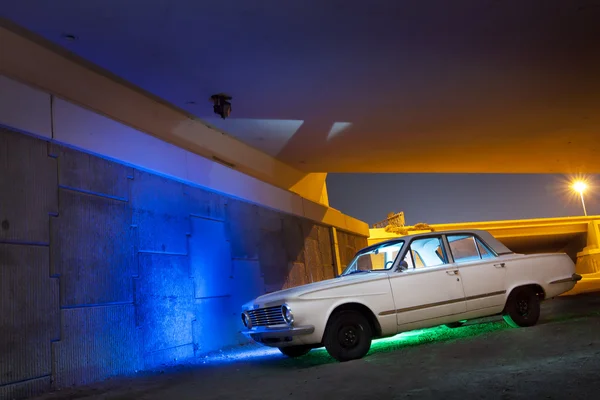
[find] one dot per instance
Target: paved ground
(557, 359)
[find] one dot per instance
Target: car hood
(299, 291)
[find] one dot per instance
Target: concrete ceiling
(361, 86)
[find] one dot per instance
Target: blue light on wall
(142, 271)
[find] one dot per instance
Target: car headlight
(288, 317)
(246, 320)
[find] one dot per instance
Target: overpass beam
(313, 186)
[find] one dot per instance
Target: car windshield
(380, 258)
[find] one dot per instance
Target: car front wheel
(522, 308)
(348, 336)
(295, 351)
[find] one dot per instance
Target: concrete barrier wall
(106, 269)
(349, 244)
(120, 252)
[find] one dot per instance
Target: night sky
(446, 198)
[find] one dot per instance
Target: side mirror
(403, 266)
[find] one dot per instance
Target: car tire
(522, 308)
(456, 324)
(348, 336)
(295, 351)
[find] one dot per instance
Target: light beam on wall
(337, 128)
(268, 135)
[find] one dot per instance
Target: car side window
(467, 248)
(426, 252)
(413, 259)
(484, 251)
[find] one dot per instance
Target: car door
(430, 287)
(483, 274)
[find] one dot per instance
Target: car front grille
(266, 316)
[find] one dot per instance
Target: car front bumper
(274, 336)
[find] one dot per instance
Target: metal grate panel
(266, 316)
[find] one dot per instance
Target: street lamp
(580, 187)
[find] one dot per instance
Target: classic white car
(412, 282)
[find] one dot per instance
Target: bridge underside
(507, 88)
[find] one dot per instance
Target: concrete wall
(106, 269)
(348, 245)
(120, 251)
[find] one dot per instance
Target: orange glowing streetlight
(580, 187)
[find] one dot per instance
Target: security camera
(221, 106)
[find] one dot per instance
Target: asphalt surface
(557, 359)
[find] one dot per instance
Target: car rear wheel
(295, 351)
(348, 336)
(522, 308)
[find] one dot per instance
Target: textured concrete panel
(92, 249)
(216, 315)
(326, 246)
(82, 171)
(26, 389)
(349, 244)
(182, 305)
(170, 356)
(203, 203)
(164, 299)
(271, 249)
(247, 282)
(314, 264)
(96, 343)
(328, 272)
(293, 239)
(297, 275)
(326, 252)
(270, 220)
(29, 313)
(273, 259)
(160, 213)
(242, 229)
(210, 258)
(360, 242)
(309, 229)
(28, 188)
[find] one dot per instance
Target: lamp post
(580, 187)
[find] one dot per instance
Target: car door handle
(501, 265)
(453, 272)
